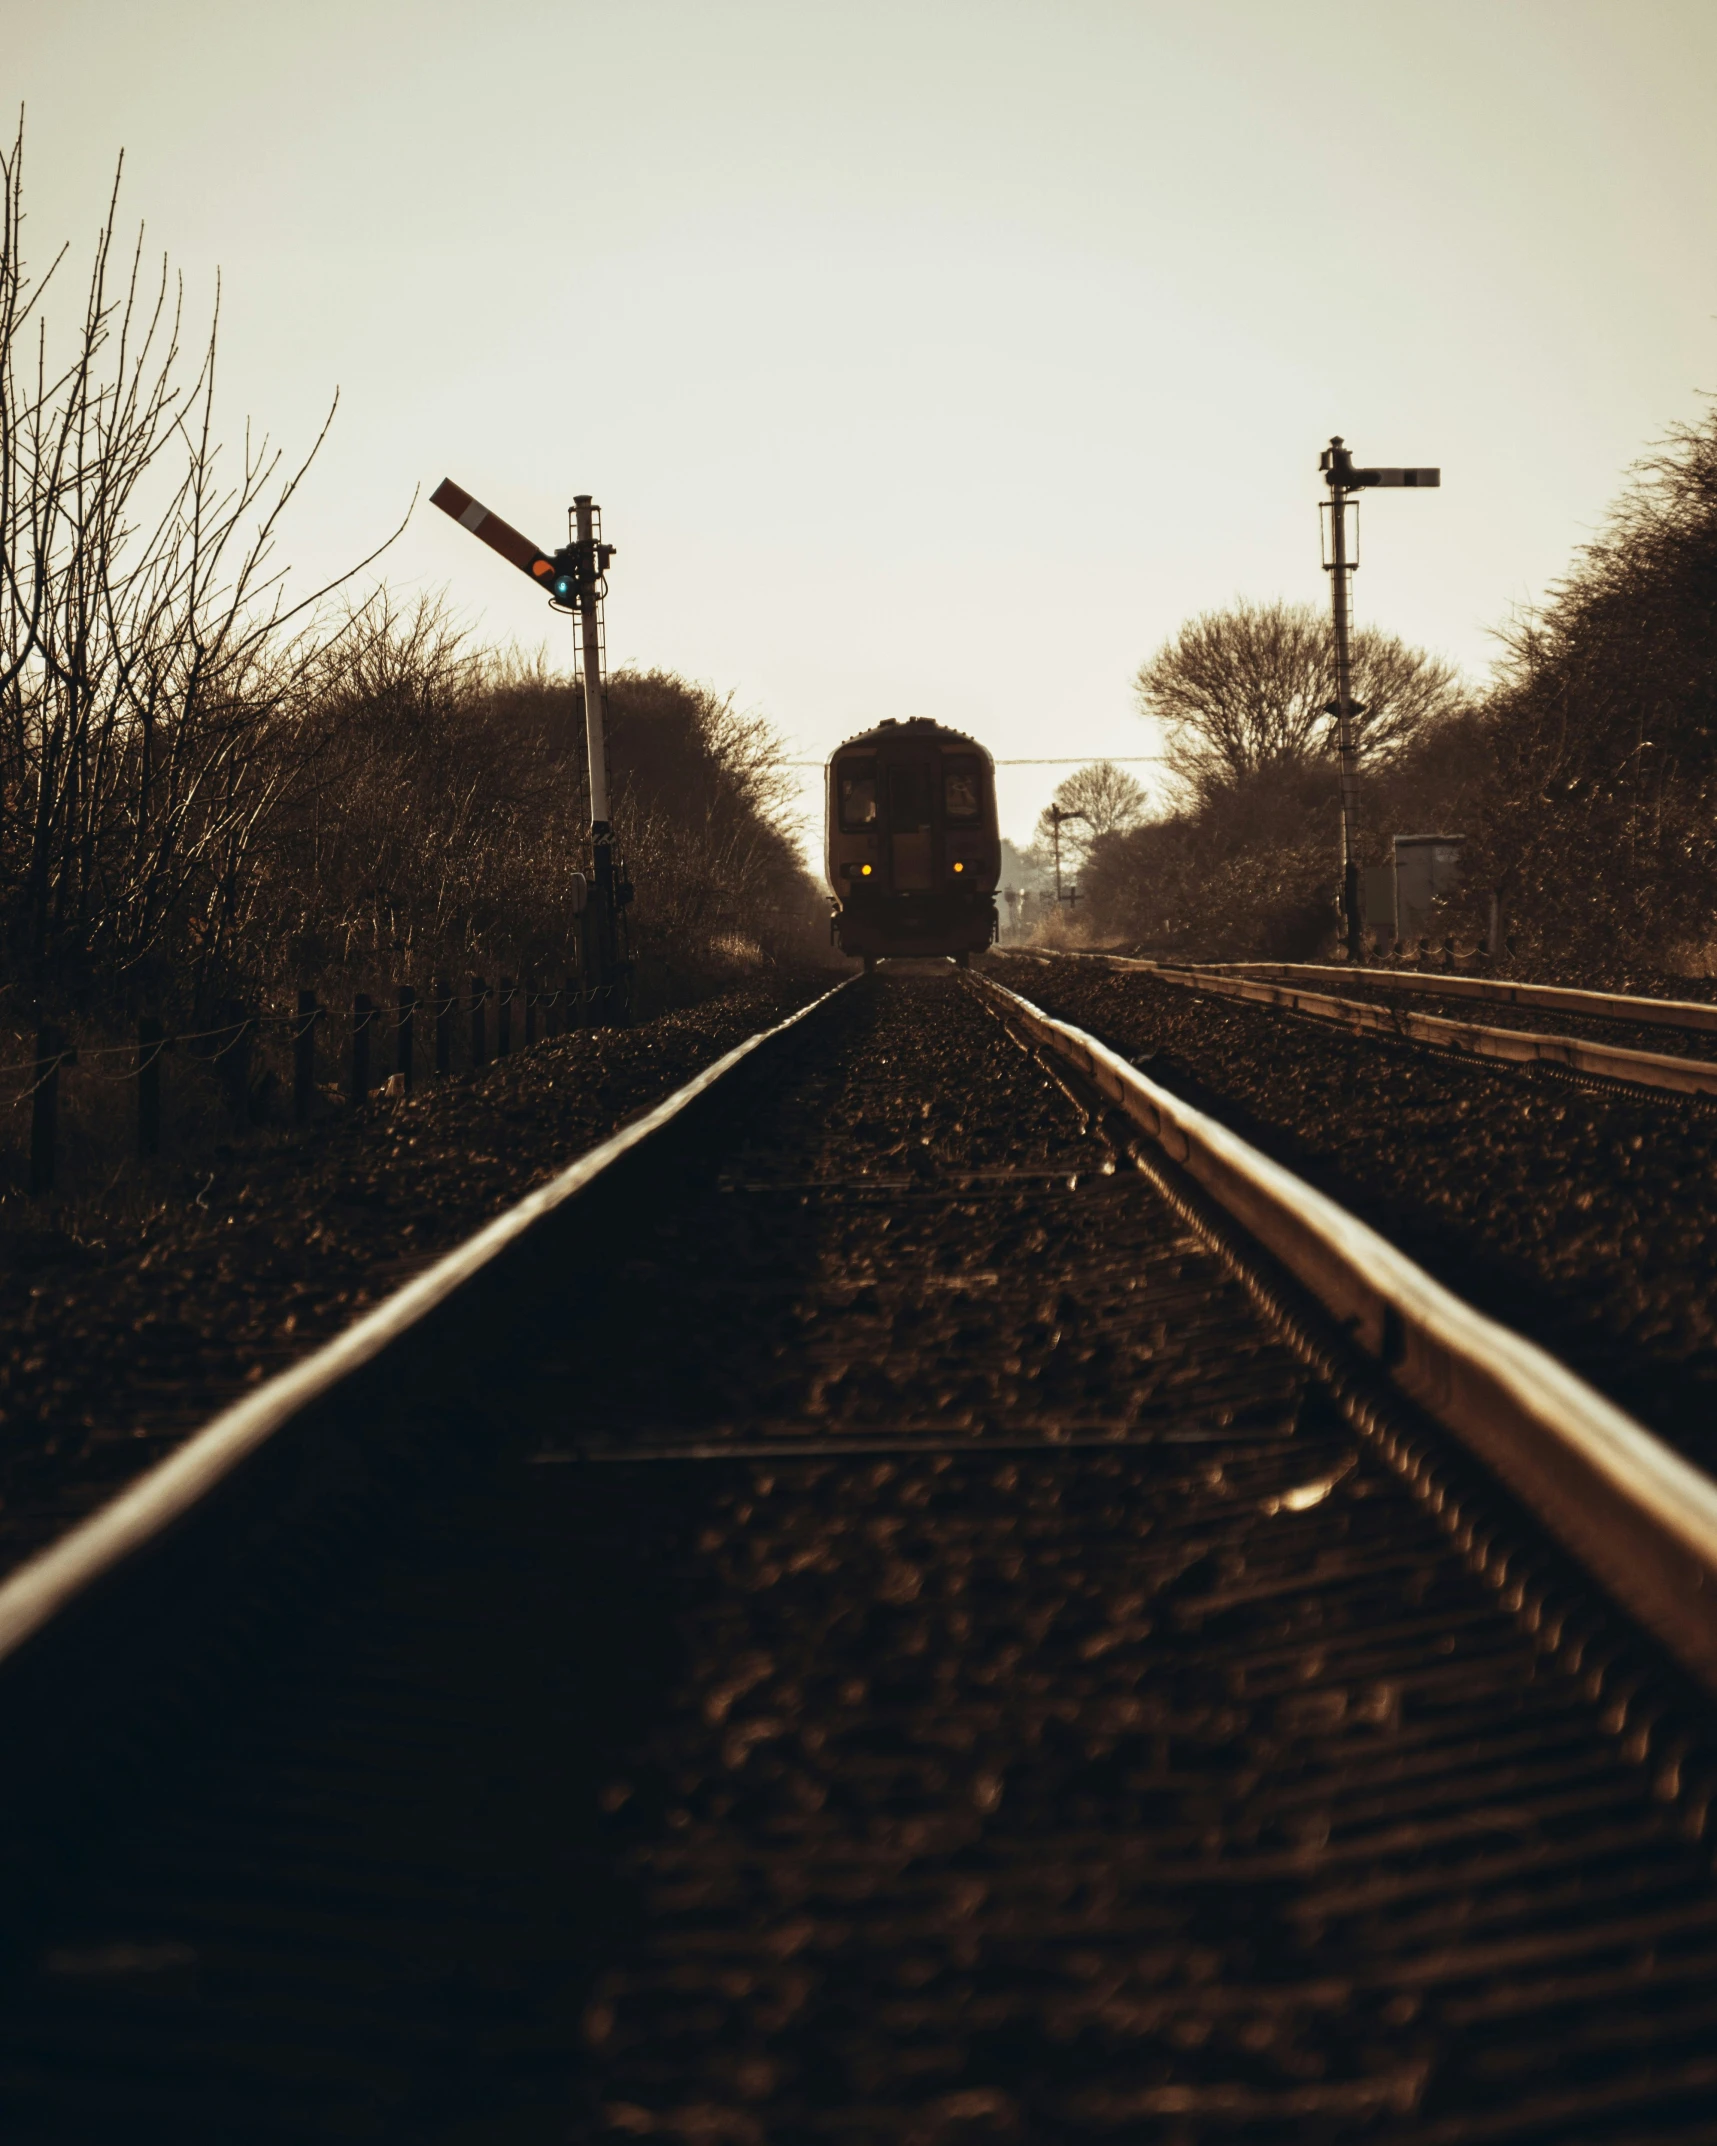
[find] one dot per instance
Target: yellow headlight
(959, 868)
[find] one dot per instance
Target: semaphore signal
(1058, 817)
(1336, 463)
(575, 580)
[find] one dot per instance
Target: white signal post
(1336, 463)
(590, 629)
(590, 559)
(574, 579)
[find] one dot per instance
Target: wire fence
(475, 1023)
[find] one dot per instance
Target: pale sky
(931, 359)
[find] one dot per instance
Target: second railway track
(1582, 1213)
(1384, 1009)
(878, 1620)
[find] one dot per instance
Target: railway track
(873, 1612)
(1284, 986)
(1580, 1211)
(1691, 1016)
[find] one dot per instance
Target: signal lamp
(959, 868)
(566, 576)
(864, 871)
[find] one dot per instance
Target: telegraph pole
(1336, 463)
(575, 579)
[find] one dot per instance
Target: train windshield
(858, 794)
(962, 791)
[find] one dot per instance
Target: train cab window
(962, 792)
(908, 797)
(857, 780)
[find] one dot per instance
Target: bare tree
(149, 660)
(1110, 800)
(1244, 693)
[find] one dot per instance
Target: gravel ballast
(115, 1353)
(1581, 1215)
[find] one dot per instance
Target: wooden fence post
(572, 1014)
(407, 1020)
(304, 1058)
(151, 1042)
(363, 1012)
(443, 1026)
(45, 1106)
(479, 1046)
(504, 1018)
(530, 1015)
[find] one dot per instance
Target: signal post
(1057, 818)
(1336, 463)
(609, 891)
(575, 579)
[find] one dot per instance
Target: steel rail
(1634, 1513)
(1694, 1014)
(1516, 1046)
(48, 1583)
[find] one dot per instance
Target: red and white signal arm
(500, 536)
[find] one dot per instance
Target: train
(913, 849)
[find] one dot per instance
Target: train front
(913, 849)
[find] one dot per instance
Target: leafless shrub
(436, 813)
(442, 813)
(702, 797)
(1251, 876)
(1596, 829)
